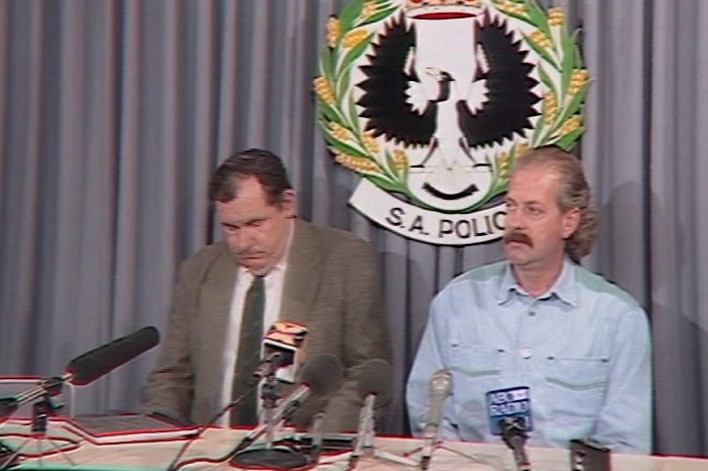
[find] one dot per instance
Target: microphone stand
(45, 388)
(7, 457)
(365, 446)
(317, 437)
(273, 455)
(41, 411)
(269, 397)
(426, 453)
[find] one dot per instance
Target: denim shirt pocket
(476, 361)
(577, 385)
(476, 369)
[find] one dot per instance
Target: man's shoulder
(325, 236)
(490, 272)
(207, 256)
(597, 284)
(482, 273)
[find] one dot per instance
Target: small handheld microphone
(440, 389)
(509, 412)
(283, 346)
(268, 367)
(514, 435)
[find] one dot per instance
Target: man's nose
(242, 239)
(513, 220)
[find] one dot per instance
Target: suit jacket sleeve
(170, 386)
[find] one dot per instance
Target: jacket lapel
(301, 277)
(215, 303)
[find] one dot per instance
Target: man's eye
(534, 211)
(255, 224)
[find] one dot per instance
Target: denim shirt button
(525, 353)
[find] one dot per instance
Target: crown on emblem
(442, 9)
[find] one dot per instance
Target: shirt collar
(246, 277)
(564, 287)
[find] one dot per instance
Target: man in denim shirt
(539, 320)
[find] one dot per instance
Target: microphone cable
(174, 464)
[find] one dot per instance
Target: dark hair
(264, 165)
(574, 193)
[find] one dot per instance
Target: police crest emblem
(431, 101)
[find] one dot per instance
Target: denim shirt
(583, 349)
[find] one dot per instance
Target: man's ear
(571, 222)
(288, 203)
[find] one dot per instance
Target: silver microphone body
(440, 389)
(364, 439)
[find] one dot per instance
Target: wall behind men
(112, 115)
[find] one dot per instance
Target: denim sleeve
(431, 357)
(625, 423)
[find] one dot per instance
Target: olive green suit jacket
(331, 286)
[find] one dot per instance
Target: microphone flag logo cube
(509, 403)
(287, 338)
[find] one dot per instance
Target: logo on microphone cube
(509, 403)
(287, 338)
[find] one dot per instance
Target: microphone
(100, 361)
(282, 345)
(514, 435)
(374, 385)
(319, 376)
(281, 350)
(440, 389)
(509, 412)
(87, 368)
(268, 367)
(374, 379)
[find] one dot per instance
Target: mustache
(516, 236)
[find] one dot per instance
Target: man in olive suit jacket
(323, 278)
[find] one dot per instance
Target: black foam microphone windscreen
(375, 378)
(322, 374)
(90, 366)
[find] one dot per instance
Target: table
(213, 448)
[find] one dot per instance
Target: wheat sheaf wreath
(564, 81)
